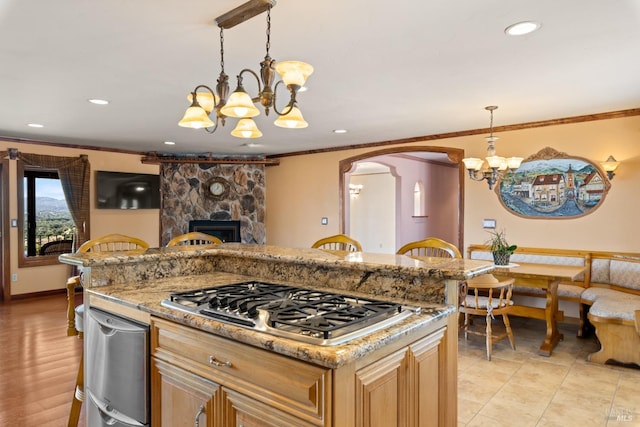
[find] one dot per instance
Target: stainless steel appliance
(312, 316)
(117, 371)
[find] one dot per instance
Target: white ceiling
(383, 70)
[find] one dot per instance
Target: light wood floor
(38, 363)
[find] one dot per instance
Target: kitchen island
(222, 374)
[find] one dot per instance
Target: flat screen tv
(122, 190)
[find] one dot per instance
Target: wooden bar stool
(75, 315)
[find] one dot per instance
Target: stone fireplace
(213, 192)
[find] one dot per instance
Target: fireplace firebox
(227, 231)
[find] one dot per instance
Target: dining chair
(338, 242)
(432, 247)
(194, 238)
(75, 315)
(57, 247)
(487, 296)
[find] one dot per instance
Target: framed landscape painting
(553, 185)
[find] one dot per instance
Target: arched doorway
(372, 189)
(441, 177)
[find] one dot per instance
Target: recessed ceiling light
(35, 125)
(169, 143)
(522, 28)
(98, 101)
(339, 131)
(252, 144)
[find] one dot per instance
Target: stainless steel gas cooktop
(307, 315)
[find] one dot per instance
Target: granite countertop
(448, 268)
(147, 297)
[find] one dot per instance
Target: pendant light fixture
(293, 74)
(497, 165)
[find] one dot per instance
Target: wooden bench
(567, 291)
(609, 291)
(613, 301)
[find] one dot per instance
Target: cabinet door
(242, 411)
(381, 392)
(425, 363)
(180, 398)
(404, 388)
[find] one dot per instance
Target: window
(45, 225)
(418, 200)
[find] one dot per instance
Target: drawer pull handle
(213, 361)
(200, 412)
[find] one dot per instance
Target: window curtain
(74, 174)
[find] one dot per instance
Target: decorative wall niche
(553, 185)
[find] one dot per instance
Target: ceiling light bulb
(97, 101)
(240, 105)
(514, 162)
(246, 128)
(522, 28)
(196, 118)
(292, 120)
(206, 100)
(496, 162)
(294, 72)
(35, 125)
(473, 163)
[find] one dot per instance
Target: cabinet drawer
(282, 382)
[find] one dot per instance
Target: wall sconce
(609, 166)
(354, 189)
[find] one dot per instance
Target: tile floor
(521, 388)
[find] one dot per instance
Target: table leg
(550, 313)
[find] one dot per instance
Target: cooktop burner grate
(288, 310)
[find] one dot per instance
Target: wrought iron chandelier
(498, 166)
(204, 101)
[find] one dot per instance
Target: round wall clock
(218, 188)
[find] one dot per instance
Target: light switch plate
(489, 223)
(324, 220)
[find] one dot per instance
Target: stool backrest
(431, 246)
(194, 238)
(338, 242)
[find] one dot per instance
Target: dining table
(546, 277)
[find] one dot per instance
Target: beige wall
(302, 189)
(143, 223)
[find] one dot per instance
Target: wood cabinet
(222, 382)
(183, 399)
(402, 388)
(237, 384)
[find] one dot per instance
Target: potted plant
(500, 248)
